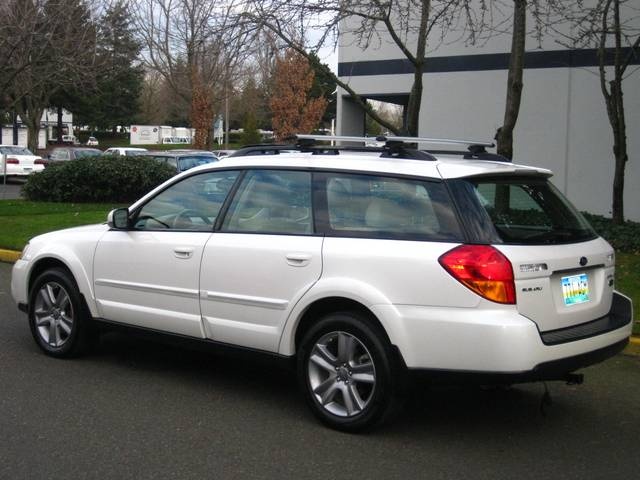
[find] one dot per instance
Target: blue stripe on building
(483, 62)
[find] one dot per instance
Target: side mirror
(118, 219)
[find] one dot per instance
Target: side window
(191, 204)
(272, 201)
(388, 207)
(60, 154)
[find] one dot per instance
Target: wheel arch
(48, 262)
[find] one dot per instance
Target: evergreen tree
(114, 100)
(324, 86)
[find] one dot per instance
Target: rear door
(262, 261)
(563, 271)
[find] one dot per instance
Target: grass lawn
(20, 220)
(628, 282)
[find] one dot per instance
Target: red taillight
(40, 161)
(12, 161)
(483, 269)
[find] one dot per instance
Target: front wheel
(58, 318)
(347, 372)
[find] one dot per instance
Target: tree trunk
(413, 107)
(412, 117)
(31, 117)
(619, 151)
(504, 135)
(59, 136)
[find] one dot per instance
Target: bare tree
(413, 26)
(50, 45)
(504, 136)
(612, 27)
(196, 45)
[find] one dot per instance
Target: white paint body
(251, 290)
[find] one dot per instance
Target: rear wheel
(59, 321)
(347, 372)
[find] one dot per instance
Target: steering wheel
(183, 219)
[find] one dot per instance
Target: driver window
(191, 204)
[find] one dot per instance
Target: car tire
(58, 317)
(348, 373)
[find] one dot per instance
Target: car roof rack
(393, 147)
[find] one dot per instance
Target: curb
(9, 256)
(633, 348)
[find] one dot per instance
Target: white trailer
(144, 135)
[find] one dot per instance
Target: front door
(148, 276)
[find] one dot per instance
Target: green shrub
(624, 238)
(100, 179)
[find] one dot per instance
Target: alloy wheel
(341, 374)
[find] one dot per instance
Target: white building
(48, 122)
(562, 125)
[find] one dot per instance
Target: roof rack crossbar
(395, 139)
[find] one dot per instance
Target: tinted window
(272, 201)
(89, 152)
(386, 207)
(527, 211)
(191, 204)
(134, 153)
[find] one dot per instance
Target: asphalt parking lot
(137, 409)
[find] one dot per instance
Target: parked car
(62, 154)
(92, 142)
(19, 161)
(183, 160)
(125, 151)
(222, 153)
(71, 139)
(360, 267)
(176, 140)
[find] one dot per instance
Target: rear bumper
(553, 370)
(496, 340)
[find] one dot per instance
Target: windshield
(15, 150)
(88, 153)
(185, 163)
(135, 153)
(522, 211)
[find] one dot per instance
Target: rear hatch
(563, 271)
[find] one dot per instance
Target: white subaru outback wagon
(362, 264)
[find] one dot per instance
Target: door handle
(183, 252)
(298, 259)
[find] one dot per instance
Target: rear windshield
(14, 150)
(522, 211)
